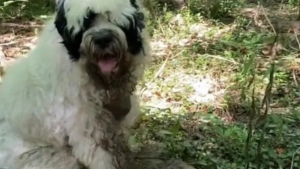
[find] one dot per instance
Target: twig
(267, 96)
(292, 164)
(292, 47)
(296, 36)
(160, 70)
(263, 9)
(250, 124)
(281, 4)
(15, 42)
(294, 78)
(10, 43)
(20, 26)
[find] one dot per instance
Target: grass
(216, 94)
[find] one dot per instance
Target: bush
(213, 8)
(25, 9)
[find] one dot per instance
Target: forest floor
(203, 94)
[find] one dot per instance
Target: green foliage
(259, 138)
(293, 3)
(25, 9)
(215, 144)
(214, 9)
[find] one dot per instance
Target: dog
(87, 61)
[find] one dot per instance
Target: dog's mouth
(108, 64)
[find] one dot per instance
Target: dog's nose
(103, 38)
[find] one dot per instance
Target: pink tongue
(107, 66)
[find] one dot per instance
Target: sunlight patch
(179, 91)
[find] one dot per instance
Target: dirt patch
(16, 39)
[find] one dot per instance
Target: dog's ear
(133, 32)
(71, 39)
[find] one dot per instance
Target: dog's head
(105, 35)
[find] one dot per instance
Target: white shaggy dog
(92, 51)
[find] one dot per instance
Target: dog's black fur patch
(133, 3)
(132, 32)
(70, 41)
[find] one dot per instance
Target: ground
(222, 89)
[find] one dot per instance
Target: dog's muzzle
(109, 51)
(105, 48)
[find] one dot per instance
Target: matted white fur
(43, 98)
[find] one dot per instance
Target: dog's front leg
(86, 138)
(99, 143)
